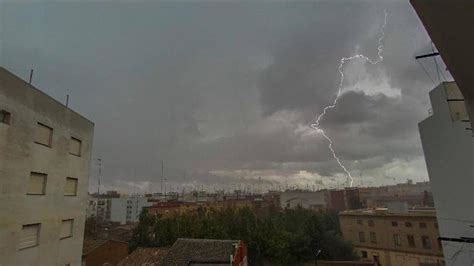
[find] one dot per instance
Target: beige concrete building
(45, 152)
(393, 239)
(448, 145)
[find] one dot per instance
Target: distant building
(314, 200)
(122, 210)
(448, 145)
(103, 252)
(389, 237)
(45, 153)
(343, 199)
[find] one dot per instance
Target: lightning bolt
(343, 61)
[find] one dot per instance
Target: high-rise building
(448, 145)
(45, 153)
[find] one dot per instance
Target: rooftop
(423, 212)
(7, 75)
(145, 256)
(186, 250)
(90, 245)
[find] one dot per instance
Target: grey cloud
(229, 87)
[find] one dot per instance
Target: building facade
(448, 145)
(45, 152)
(393, 239)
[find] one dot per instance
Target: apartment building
(415, 194)
(393, 238)
(448, 145)
(123, 210)
(45, 152)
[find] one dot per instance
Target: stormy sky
(224, 92)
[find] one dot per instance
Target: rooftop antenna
(162, 176)
(31, 76)
(99, 163)
(67, 100)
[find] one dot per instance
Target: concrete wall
(448, 147)
(127, 209)
(118, 210)
(394, 258)
(20, 155)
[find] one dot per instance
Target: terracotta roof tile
(145, 257)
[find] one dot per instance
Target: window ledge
(42, 144)
(28, 247)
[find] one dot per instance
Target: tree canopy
(287, 237)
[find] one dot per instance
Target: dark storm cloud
(226, 91)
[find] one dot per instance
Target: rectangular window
(370, 223)
(396, 240)
(5, 117)
(75, 147)
(407, 224)
(411, 241)
(70, 189)
(44, 135)
(422, 225)
(394, 223)
(364, 254)
(37, 184)
(425, 240)
(373, 237)
(361, 237)
(436, 225)
(359, 222)
(29, 236)
(66, 228)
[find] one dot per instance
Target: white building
(314, 200)
(45, 152)
(448, 146)
(123, 210)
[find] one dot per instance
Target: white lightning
(341, 83)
